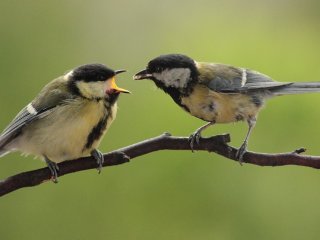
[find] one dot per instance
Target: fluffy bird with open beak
(217, 93)
(68, 117)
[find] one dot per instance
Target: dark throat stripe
(97, 131)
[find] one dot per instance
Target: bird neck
(177, 93)
(112, 98)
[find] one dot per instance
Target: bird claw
(194, 138)
(240, 153)
(54, 168)
(98, 156)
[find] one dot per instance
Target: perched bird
(68, 117)
(217, 93)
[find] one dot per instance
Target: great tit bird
(217, 93)
(68, 117)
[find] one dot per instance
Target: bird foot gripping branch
(195, 137)
(98, 156)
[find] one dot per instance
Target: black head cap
(170, 61)
(93, 73)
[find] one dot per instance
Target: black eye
(101, 78)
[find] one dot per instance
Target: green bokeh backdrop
(166, 195)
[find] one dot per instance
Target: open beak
(113, 85)
(144, 74)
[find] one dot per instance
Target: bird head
(170, 71)
(94, 81)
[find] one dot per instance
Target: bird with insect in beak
(217, 93)
(67, 119)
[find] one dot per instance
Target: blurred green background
(168, 194)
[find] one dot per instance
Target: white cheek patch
(176, 77)
(92, 89)
(108, 85)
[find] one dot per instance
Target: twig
(217, 144)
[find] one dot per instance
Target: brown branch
(217, 144)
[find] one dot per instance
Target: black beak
(144, 74)
(119, 71)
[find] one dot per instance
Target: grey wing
(24, 117)
(51, 96)
(240, 80)
(258, 81)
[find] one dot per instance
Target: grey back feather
(232, 80)
(242, 81)
(14, 129)
(53, 94)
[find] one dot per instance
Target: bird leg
(195, 137)
(54, 168)
(98, 156)
(243, 149)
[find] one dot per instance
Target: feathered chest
(70, 131)
(107, 115)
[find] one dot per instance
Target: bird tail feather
(297, 88)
